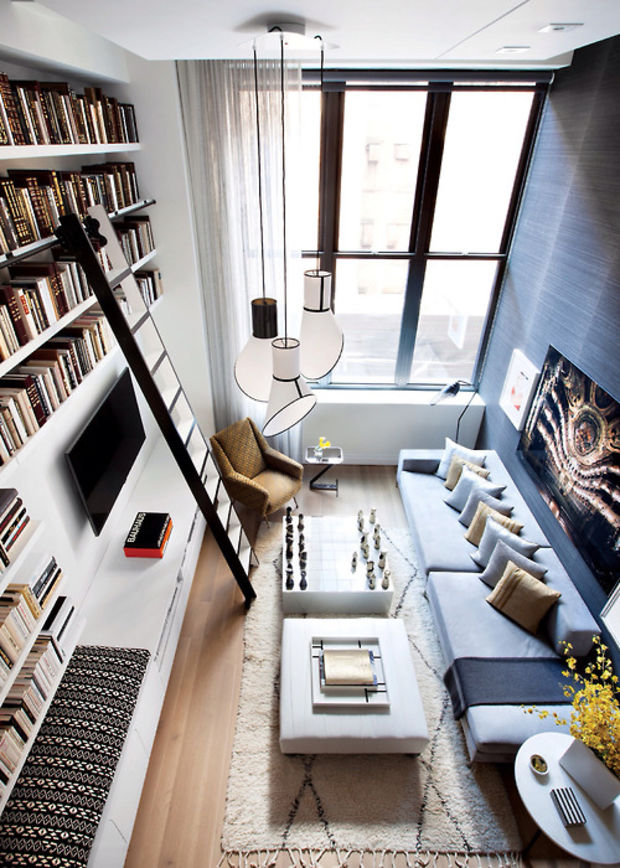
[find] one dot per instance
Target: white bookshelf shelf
(25, 543)
(35, 152)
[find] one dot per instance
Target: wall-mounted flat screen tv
(104, 452)
(571, 444)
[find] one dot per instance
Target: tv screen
(570, 444)
(104, 452)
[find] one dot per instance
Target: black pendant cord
(260, 180)
(318, 228)
(283, 191)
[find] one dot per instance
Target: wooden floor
(182, 806)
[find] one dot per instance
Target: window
(419, 183)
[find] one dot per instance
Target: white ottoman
(401, 728)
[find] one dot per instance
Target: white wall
(372, 426)
(161, 168)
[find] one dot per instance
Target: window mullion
(435, 124)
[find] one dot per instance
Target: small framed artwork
(518, 390)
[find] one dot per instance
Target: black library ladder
(138, 337)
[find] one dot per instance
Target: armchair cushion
(240, 444)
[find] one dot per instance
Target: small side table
(331, 455)
(598, 840)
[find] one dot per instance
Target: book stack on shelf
(149, 284)
(52, 113)
(136, 238)
(148, 536)
(33, 391)
(14, 524)
(23, 705)
(32, 200)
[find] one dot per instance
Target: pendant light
(290, 399)
(321, 337)
(253, 368)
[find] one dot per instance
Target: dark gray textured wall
(562, 285)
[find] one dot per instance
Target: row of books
(31, 392)
(52, 113)
(136, 238)
(24, 703)
(14, 520)
(32, 200)
(149, 284)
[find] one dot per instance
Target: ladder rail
(72, 234)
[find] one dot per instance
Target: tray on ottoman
(399, 727)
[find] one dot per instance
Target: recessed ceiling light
(560, 28)
(513, 49)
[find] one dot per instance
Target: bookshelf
(109, 590)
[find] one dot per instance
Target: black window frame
(439, 85)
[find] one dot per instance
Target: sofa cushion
(494, 733)
(435, 529)
(468, 627)
(468, 481)
(571, 620)
(502, 553)
(478, 495)
(494, 531)
(476, 456)
(456, 468)
(512, 495)
(483, 512)
(522, 598)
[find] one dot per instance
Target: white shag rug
(375, 806)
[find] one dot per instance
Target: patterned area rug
(362, 806)
(53, 813)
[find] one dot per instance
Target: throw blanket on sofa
(504, 681)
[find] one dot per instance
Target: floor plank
(182, 806)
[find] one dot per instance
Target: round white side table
(598, 840)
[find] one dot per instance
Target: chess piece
(360, 514)
(290, 584)
(385, 581)
(303, 584)
(363, 540)
(289, 553)
(386, 574)
(289, 513)
(377, 542)
(360, 524)
(354, 561)
(302, 540)
(303, 558)
(370, 568)
(382, 560)
(373, 515)
(365, 551)
(371, 582)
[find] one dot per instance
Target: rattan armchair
(255, 474)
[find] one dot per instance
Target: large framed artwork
(521, 379)
(571, 443)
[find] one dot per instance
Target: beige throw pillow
(522, 598)
(456, 468)
(478, 523)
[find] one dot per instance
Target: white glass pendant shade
(320, 335)
(254, 365)
(291, 398)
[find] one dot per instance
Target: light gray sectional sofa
(467, 625)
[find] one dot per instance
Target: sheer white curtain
(219, 117)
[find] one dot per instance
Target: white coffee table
(330, 455)
(400, 728)
(596, 841)
(333, 586)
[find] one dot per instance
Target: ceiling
(438, 33)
